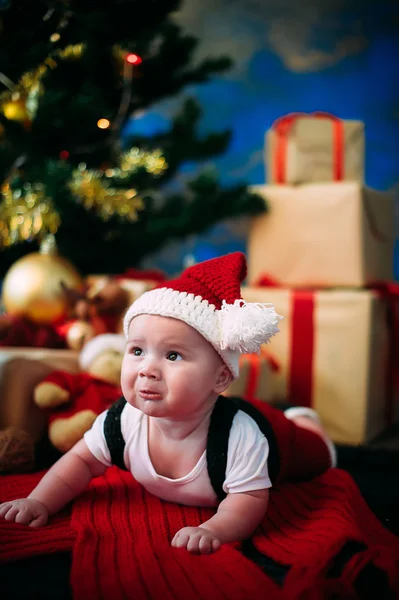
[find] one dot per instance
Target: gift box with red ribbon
(255, 379)
(323, 235)
(338, 353)
(317, 147)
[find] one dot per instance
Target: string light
(103, 123)
(64, 154)
(55, 37)
(134, 59)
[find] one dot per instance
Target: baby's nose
(150, 370)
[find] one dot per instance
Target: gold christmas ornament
(32, 287)
(15, 109)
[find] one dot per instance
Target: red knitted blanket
(120, 537)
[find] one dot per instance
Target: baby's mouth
(150, 395)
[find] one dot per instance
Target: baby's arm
(66, 479)
(237, 517)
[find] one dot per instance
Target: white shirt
(246, 469)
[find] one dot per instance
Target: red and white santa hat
(207, 296)
(98, 345)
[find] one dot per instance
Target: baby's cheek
(126, 383)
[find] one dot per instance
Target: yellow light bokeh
(103, 123)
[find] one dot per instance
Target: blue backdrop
(329, 55)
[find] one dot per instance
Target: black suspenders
(218, 438)
(113, 433)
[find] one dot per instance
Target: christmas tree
(73, 73)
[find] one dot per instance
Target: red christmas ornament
(64, 154)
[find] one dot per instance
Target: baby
(183, 345)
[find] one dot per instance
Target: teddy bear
(73, 401)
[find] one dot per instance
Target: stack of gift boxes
(323, 255)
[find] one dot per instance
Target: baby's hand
(25, 511)
(197, 540)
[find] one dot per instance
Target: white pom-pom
(245, 326)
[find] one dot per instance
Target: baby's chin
(149, 406)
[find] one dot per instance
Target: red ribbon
(282, 128)
(300, 390)
(254, 371)
(253, 376)
(300, 366)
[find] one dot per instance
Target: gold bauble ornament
(33, 286)
(16, 110)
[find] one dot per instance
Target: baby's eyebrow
(182, 345)
(176, 345)
(169, 343)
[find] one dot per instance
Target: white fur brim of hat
(235, 329)
(99, 344)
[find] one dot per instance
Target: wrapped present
(335, 355)
(319, 147)
(255, 379)
(323, 235)
(21, 369)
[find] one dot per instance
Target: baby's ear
(223, 379)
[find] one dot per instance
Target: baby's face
(169, 370)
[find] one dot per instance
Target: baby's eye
(137, 351)
(173, 356)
